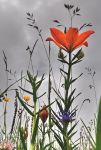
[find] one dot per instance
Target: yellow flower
(26, 98)
(7, 99)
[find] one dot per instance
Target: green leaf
(72, 128)
(58, 139)
(60, 106)
(69, 103)
(63, 61)
(98, 134)
(58, 95)
(75, 62)
(33, 84)
(67, 84)
(72, 134)
(39, 82)
(53, 148)
(57, 124)
(73, 80)
(41, 95)
(30, 78)
(61, 70)
(71, 94)
(77, 54)
(48, 145)
(26, 91)
(75, 146)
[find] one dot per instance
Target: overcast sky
(15, 36)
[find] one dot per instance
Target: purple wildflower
(67, 116)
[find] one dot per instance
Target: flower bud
(60, 55)
(81, 55)
(43, 114)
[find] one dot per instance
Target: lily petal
(85, 44)
(71, 36)
(59, 37)
(82, 37)
(58, 44)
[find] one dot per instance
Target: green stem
(67, 82)
(43, 135)
(32, 146)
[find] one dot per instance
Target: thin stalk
(5, 108)
(48, 59)
(94, 89)
(30, 61)
(49, 93)
(5, 111)
(59, 86)
(71, 18)
(71, 21)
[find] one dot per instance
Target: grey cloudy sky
(15, 36)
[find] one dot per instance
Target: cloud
(4, 4)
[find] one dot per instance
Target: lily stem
(67, 87)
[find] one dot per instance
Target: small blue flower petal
(66, 116)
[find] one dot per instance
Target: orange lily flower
(70, 40)
(43, 114)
